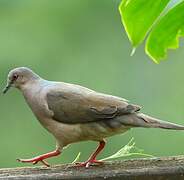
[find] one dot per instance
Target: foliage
(125, 151)
(142, 17)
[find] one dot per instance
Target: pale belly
(71, 133)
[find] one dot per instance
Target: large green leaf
(166, 33)
(138, 16)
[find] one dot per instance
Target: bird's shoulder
(76, 93)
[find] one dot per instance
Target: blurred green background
(83, 42)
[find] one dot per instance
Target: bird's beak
(8, 86)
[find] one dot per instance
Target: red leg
(92, 158)
(41, 158)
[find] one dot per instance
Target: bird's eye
(15, 76)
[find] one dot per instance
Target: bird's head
(19, 77)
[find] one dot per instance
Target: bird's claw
(88, 163)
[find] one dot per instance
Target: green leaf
(166, 33)
(126, 151)
(76, 159)
(138, 16)
(123, 152)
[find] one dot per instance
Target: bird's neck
(30, 85)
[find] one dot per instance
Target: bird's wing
(81, 107)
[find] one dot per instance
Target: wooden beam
(170, 168)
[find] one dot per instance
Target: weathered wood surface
(139, 169)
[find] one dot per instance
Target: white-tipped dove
(73, 113)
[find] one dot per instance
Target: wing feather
(80, 107)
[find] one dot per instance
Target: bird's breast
(36, 101)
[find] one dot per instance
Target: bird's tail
(142, 120)
(157, 123)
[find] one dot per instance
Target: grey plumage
(73, 107)
(84, 106)
(74, 113)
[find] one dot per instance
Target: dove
(73, 113)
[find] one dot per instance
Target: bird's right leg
(92, 158)
(41, 158)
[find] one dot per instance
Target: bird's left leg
(92, 158)
(41, 158)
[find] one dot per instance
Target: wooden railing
(165, 168)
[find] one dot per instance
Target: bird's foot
(35, 160)
(40, 158)
(88, 163)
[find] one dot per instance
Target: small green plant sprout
(125, 151)
(77, 158)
